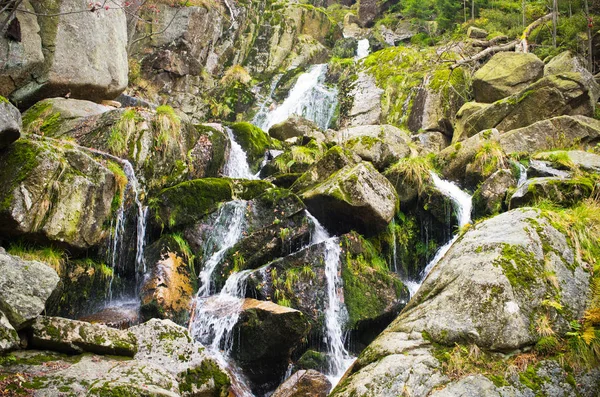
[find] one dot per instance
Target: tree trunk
(589, 31)
(525, 36)
(554, 21)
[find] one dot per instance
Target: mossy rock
(312, 359)
(189, 201)
(563, 191)
(253, 140)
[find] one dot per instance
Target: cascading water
(309, 90)
(237, 164)
(463, 205)
(264, 107)
(335, 312)
(119, 226)
(362, 49)
(522, 174)
(227, 230)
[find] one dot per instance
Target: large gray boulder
(356, 197)
(295, 126)
(55, 192)
(500, 279)
(567, 62)
(505, 74)
(20, 58)
(489, 198)
(24, 288)
(565, 191)
(9, 339)
(85, 53)
(10, 123)
(366, 102)
(71, 336)
(382, 145)
(551, 96)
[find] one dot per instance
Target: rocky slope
(155, 240)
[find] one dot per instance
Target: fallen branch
(524, 45)
(490, 43)
(488, 51)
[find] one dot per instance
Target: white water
(362, 49)
(227, 231)
(237, 163)
(140, 262)
(522, 174)
(213, 323)
(309, 98)
(463, 205)
(264, 108)
(335, 312)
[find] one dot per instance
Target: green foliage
(413, 171)
(184, 248)
(123, 131)
(489, 158)
(167, 125)
(54, 257)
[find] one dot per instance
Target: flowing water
(362, 49)
(265, 106)
(309, 98)
(227, 230)
(116, 243)
(335, 312)
(522, 174)
(237, 163)
(462, 204)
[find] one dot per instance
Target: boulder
(476, 33)
(333, 160)
(71, 336)
(9, 339)
(574, 158)
(57, 116)
(401, 30)
(170, 346)
(168, 285)
(304, 384)
(24, 288)
(488, 199)
(564, 191)
(21, 57)
(505, 74)
(393, 363)
(366, 102)
(177, 149)
(187, 202)
(567, 62)
(356, 197)
(266, 336)
(368, 10)
(10, 123)
(55, 192)
(502, 284)
(432, 141)
(295, 126)
(438, 100)
(85, 54)
(382, 145)
(462, 115)
(119, 316)
(544, 135)
(563, 94)
(539, 168)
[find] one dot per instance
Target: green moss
(253, 140)
(199, 377)
(189, 201)
(312, 359)
(3, 100)
(369, 287)
(248, 189)
(16, 163)
(520, 267)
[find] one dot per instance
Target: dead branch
(490, 43)
(488, 51)
(524, 45)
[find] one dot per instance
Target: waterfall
(213, 323)
(335, 312)
(237, 163)
(140, 262)
(462, 204)
(263, 109)
(362, 49)
(227, 231)
(309, 98)
(522, 174)
(119, 226)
